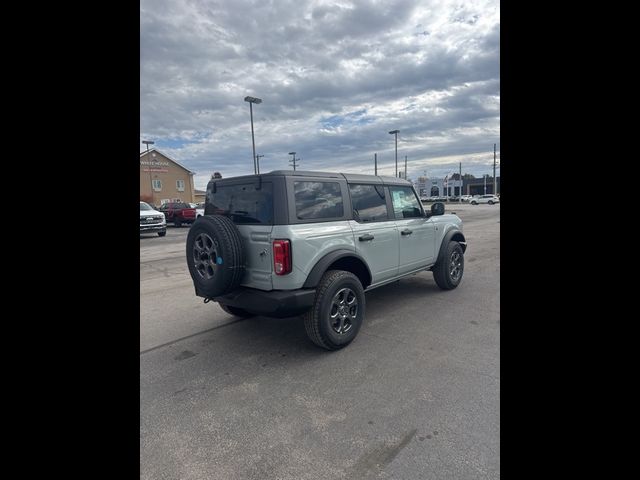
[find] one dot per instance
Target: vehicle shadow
(268, 340)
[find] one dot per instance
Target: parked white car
(466, 198)
(152, 221)
(490, 199)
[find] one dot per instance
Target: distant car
(178, 213)
(466, 198)
(490, 199)
(152, 220)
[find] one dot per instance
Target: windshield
(145, 206)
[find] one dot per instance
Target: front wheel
(337, 312)
(490, 202)
(162, 234)
(474, 203)
(448, 271)
(177, 222)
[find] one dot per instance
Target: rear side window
(243, 203)
(318, 200)
(369, 204)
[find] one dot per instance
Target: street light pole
(375, 162)
(251, 101)
(405, 167)
(460, 187)
(395, 132)
(147, 143)
(485, 183)
(495, 192)
(258, 162)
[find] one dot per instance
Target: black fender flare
(323, 264)
(448, 237)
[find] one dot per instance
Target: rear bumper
(276, 303)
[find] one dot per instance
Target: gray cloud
(334, 76)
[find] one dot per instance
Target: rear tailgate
(256, 240)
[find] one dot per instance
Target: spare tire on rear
(215, 255)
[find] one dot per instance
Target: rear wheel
(448, 271)
(490, 202)
(177, 222)
(238, 312)
(337, 312)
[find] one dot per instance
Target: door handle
(366, 238)
(406, 231)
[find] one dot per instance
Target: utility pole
(405, 167)
(293, 160)
(375, 162)
(258, 162)
(495, 192)
(485, 183)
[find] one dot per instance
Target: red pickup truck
(178, 213)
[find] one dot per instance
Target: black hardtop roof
(350, 177)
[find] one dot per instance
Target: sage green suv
(291, 243)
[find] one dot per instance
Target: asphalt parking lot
(415, 396)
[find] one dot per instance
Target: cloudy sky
(334, 76)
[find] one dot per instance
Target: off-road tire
(219, 270)
(317, 321)
(443, 269)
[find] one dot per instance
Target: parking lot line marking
(189, 336)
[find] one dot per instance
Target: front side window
(318, 200)
(180, 185)
(369, 204)
(157, 185)
(405, 202)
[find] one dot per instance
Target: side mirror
(437, 208)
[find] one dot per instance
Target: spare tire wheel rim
(344, 310)
(205, 256)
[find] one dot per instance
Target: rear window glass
(369, 204)
(242, 203)
(318, 200)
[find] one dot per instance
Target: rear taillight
(282, 257)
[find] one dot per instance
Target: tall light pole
(405, 167)
(460, 188)
(485, 183)
(258, 162)
(375, 163)
(147, 143)
(395, 132)
(293, 160)
(251, 101)
(495, 192)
